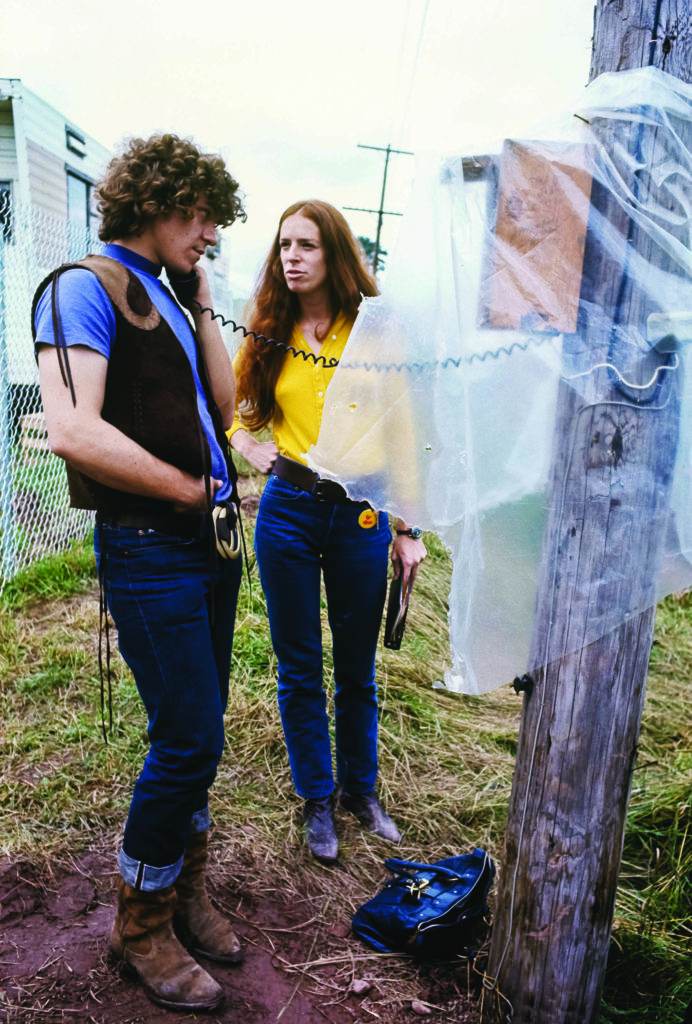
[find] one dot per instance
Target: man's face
(178, 242)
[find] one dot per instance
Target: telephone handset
(184, 286)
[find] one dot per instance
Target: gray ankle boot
(318, 815)
(370, 813)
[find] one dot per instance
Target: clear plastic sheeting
(522, 386)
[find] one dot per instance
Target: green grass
(649, 979)
(51, 578)
(447, 765)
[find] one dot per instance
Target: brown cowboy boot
(143, 938)
(205, 931)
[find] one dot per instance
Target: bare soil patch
(54, 963)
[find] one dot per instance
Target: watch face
(416, 532)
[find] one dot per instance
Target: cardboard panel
(534, 267)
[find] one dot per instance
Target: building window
(6, 211)
(75, 142)
(78, 200)
(81, 218)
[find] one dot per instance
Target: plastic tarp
(551, 273)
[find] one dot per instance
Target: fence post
(7, 525)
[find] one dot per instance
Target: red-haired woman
(308, 294)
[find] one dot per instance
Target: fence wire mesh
(35, 517)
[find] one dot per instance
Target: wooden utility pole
(613, 461)
(381, 212)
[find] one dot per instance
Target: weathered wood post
(613, 464)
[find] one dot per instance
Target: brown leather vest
(150, 391)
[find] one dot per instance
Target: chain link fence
(35, 517)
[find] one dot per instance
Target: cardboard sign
(532, 278)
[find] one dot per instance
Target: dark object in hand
(185, 287)
(397, 608)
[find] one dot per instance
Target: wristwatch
(414, 532)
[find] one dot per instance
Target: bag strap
(399, 867)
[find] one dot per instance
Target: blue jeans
(174, 611)
(296, 538)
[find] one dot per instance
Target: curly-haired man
(137, 400)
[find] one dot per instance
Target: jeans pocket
(282, 490)
(130, 541)
(154, 541)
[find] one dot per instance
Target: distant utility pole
(381, 212)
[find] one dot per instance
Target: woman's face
(302, 255)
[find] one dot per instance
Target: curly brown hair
(158, 175)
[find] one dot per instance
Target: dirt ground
(54, 965)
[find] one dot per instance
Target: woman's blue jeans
(297, 538)
(174, 610)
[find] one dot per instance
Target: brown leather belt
(176, 524)
(301, 476)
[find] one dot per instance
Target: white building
(46, 161)
(48, 170)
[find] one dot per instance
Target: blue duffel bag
(428, 910)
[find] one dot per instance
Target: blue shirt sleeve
(86, 312)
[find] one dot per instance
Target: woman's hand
(260, 454)
(407, 554)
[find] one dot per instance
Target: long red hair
(275, 309)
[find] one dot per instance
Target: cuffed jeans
(296, 538)
(174, 611)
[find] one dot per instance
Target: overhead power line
(381, 212)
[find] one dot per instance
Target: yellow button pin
(367, 519)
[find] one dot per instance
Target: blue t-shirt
(88, 319)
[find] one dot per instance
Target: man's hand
(203, 293)
(197, 501)
(260, 454)
(407, 554)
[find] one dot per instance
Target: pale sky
(285, 91)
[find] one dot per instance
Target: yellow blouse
(300, 392)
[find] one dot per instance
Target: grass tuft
(52, 578)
